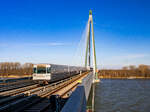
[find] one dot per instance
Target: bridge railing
(78, 99)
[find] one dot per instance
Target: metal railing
(78, 99)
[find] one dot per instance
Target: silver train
(45, 73)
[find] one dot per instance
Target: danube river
(114, 95)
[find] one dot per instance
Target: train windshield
(34, 70)
(48, 69)
(41, 70)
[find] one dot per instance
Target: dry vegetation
(15, 69)
(142, 71)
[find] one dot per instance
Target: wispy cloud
(131, 56)
(124, 60)
(48, 44)
(3, 44)
(34, 44)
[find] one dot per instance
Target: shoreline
(100, 77)
(15, 76)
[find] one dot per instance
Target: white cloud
(48, 44)
(133, 56)
(129, 56)
(115, 62)
(34, 44)
(3, 45)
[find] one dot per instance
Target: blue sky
(41, 31)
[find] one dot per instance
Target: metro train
(45, 73)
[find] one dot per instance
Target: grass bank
(16, 76)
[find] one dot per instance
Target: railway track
(44, 104)
(37, 99)
(15, 85)
(13, 81)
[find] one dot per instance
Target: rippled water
(114, 95)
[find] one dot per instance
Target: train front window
(41, 70)
(34, 70)
(48, 69)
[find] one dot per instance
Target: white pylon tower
(88, 48)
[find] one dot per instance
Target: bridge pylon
(88, 49)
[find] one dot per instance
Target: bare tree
(141, 71)
(125, 68)
(15, 68)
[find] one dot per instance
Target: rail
(15, 85)
(31, 98)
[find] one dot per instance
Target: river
(126, 95)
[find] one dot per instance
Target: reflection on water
(114, 95)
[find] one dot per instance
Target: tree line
(15, 68)
(142, 71)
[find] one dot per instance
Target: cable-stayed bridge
(73, 92)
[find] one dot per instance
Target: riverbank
(15, 76)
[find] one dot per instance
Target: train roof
(45, 64)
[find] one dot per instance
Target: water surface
(115, 95)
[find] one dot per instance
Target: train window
(48, 69)
(41, 70)
(34, 70)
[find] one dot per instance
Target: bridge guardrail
(77, 100)
(87, 83)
